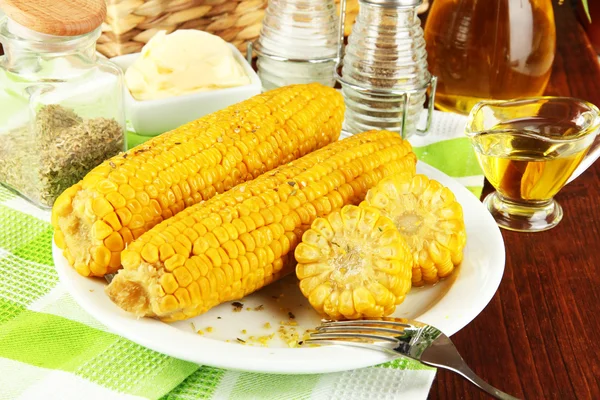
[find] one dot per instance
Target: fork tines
(346, 336)
(360, 330)
(368, 322)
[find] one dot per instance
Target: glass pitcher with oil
(528, 149)
(492, 49)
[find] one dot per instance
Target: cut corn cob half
(428, 217)
(354, 264)
(127, 195)
(240, 241)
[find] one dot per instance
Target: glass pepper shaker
(61, 107)
(298, 43)
(384, 70)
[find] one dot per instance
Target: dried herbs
(56, 152)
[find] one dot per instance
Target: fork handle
(469, 375)
(443, 354)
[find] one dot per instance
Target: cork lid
(56, 17)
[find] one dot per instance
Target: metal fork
(413, 339)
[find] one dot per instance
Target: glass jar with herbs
(61, 107)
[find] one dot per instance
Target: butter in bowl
(181, 77)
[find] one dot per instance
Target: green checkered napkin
(51, 349)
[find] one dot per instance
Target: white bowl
(153, 117)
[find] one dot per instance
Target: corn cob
(128, 194)
(354, 264)
(240, 241)
(428, 217)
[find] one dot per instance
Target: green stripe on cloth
(252, 385)
(134, 140)
(6, 194)
(9, 310)
(48, 341)
(202, 384)
(405, 363)
(52, 342)
(455, 157)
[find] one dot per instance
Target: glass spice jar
(61, 107)
(298, 43)
(384, 75)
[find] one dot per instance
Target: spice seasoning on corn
(354, 264)
(240, 241)
(428, 217)
(127, 195)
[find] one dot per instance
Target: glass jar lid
(56, 17)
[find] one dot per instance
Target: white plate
(449, 305)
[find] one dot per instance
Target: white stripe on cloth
(13, 288)
(226, 385)
(392, 384)
(58, 302)
(17, 203)
(20, 381)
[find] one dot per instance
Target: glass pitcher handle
(430, 107)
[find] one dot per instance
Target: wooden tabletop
(539, 337)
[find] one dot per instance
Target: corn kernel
(166, 251)
(136, 222)
(175, 261)
(117, 200)
(114, 242)
(150, 253)
(106, 186)
(130, 259)
(113, 220)
(101, 255)
(101, 230)
(183, 297)
(183, 276)
(59, 239)
(101, 207)
(126, 235)
(124, 216)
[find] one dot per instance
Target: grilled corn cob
(128, 194)
(354, 264)
(428, 217)
(240, 241)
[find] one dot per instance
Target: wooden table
(539, 338)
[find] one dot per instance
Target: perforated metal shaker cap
(394, 3)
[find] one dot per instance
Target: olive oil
(492, 49)
(524, 168)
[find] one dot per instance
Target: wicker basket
(131, 23)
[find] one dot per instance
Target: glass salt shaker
(298, 43)
(384, 70)
(61, 107)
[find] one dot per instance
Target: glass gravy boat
(528, 150)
